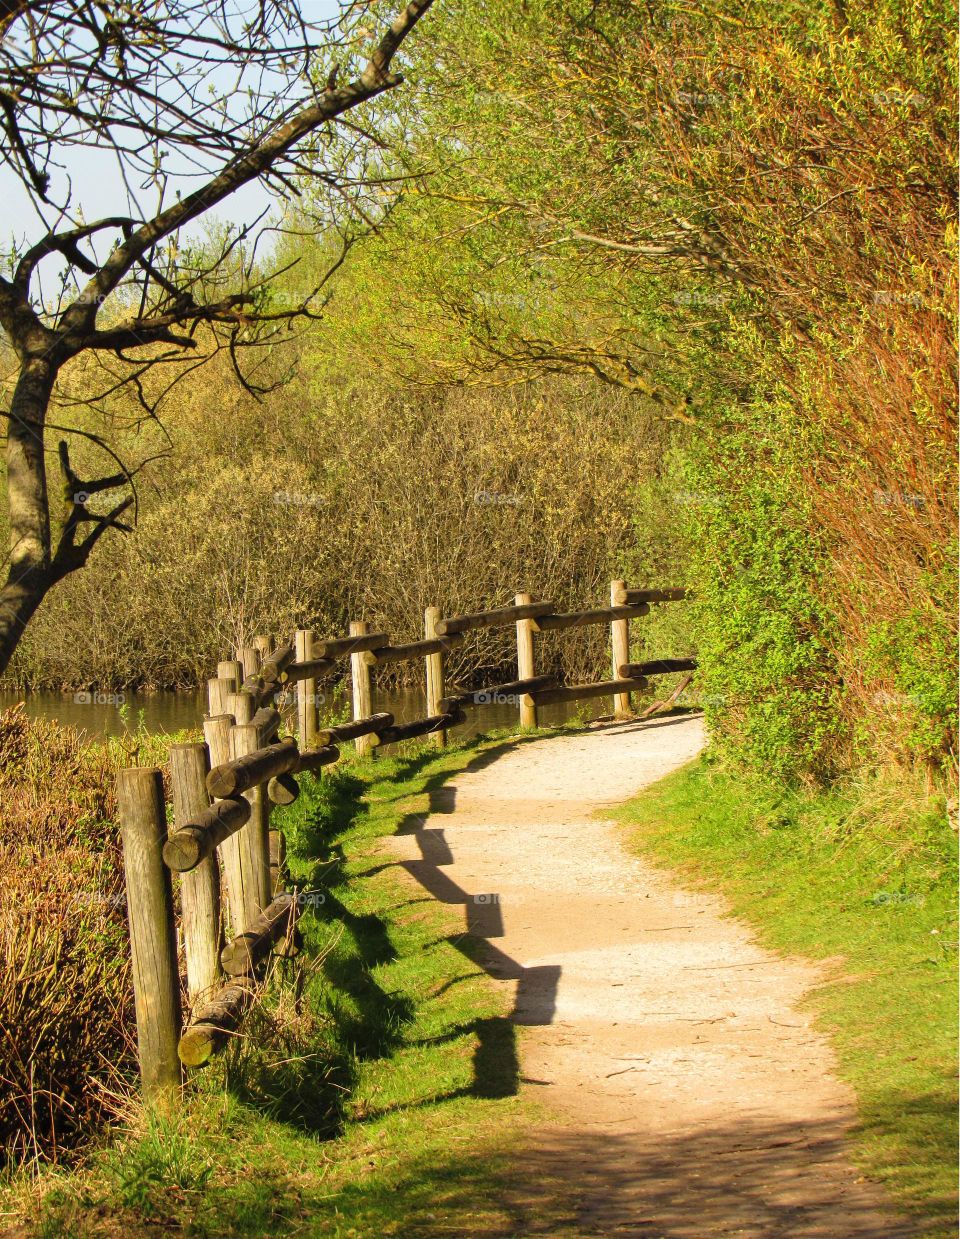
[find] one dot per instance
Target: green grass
(377, 1092)
(867, 880)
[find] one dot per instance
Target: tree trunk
(29, 573)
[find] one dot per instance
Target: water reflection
(105, 714)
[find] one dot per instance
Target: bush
(66, 1003)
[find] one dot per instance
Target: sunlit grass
(864, 878)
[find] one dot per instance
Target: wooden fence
(235, 910)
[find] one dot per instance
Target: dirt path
(691, 1095)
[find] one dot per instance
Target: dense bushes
(341, 498)
(66, 1006)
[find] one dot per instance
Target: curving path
(690, 1094)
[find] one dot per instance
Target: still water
(104, 714)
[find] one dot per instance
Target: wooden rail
(229, 861)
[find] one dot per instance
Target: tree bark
(30, 571)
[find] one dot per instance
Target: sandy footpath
(691, 1095)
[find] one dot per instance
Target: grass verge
(864, 878)
(377, 1092)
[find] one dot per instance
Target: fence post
(620, 649)
(200, 887)
(218, 690)
(240, 705)
(306, 692)
(525, 663)
(264, 647)
(252, 890)
(361, 685)
(276, 854)
(153, 943)
(231, 669)
(249, 656)
(435, 690)
(216, 732)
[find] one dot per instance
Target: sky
(97, 187)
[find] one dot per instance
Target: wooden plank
(199, 837)
(416, 649)
(350, 731)
(634, 597)
(307, 670)
(283, 790)
(492, 619)
(574, 692)
(619, 649)
(361, 687)
(315, 759)
(267, 722)
(216, 1023)
(356, 643)
(200, 882)
(304, 671)
(526, 669)
(497, 694)
(658, 666)
(216, 732)
(153, 943)
(420, 727)
(269, 679)
(241, 957)
(581, 619)
(252, 768)
(434, 672)
(253, 842)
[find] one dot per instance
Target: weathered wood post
(361, 685)
(231, 669)
(216, 733)
(249, 656)
(252, 883)
(240, 705)
(620, 648)
(525, 662)
(153, 942)
(306, 691)
(218, 690)
(264, 646)
(200, 887)
(434, 677)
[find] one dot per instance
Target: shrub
(66, 1007)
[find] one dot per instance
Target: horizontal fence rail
(237, 910)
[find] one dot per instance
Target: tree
(227, 95)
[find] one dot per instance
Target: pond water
(109, 714)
